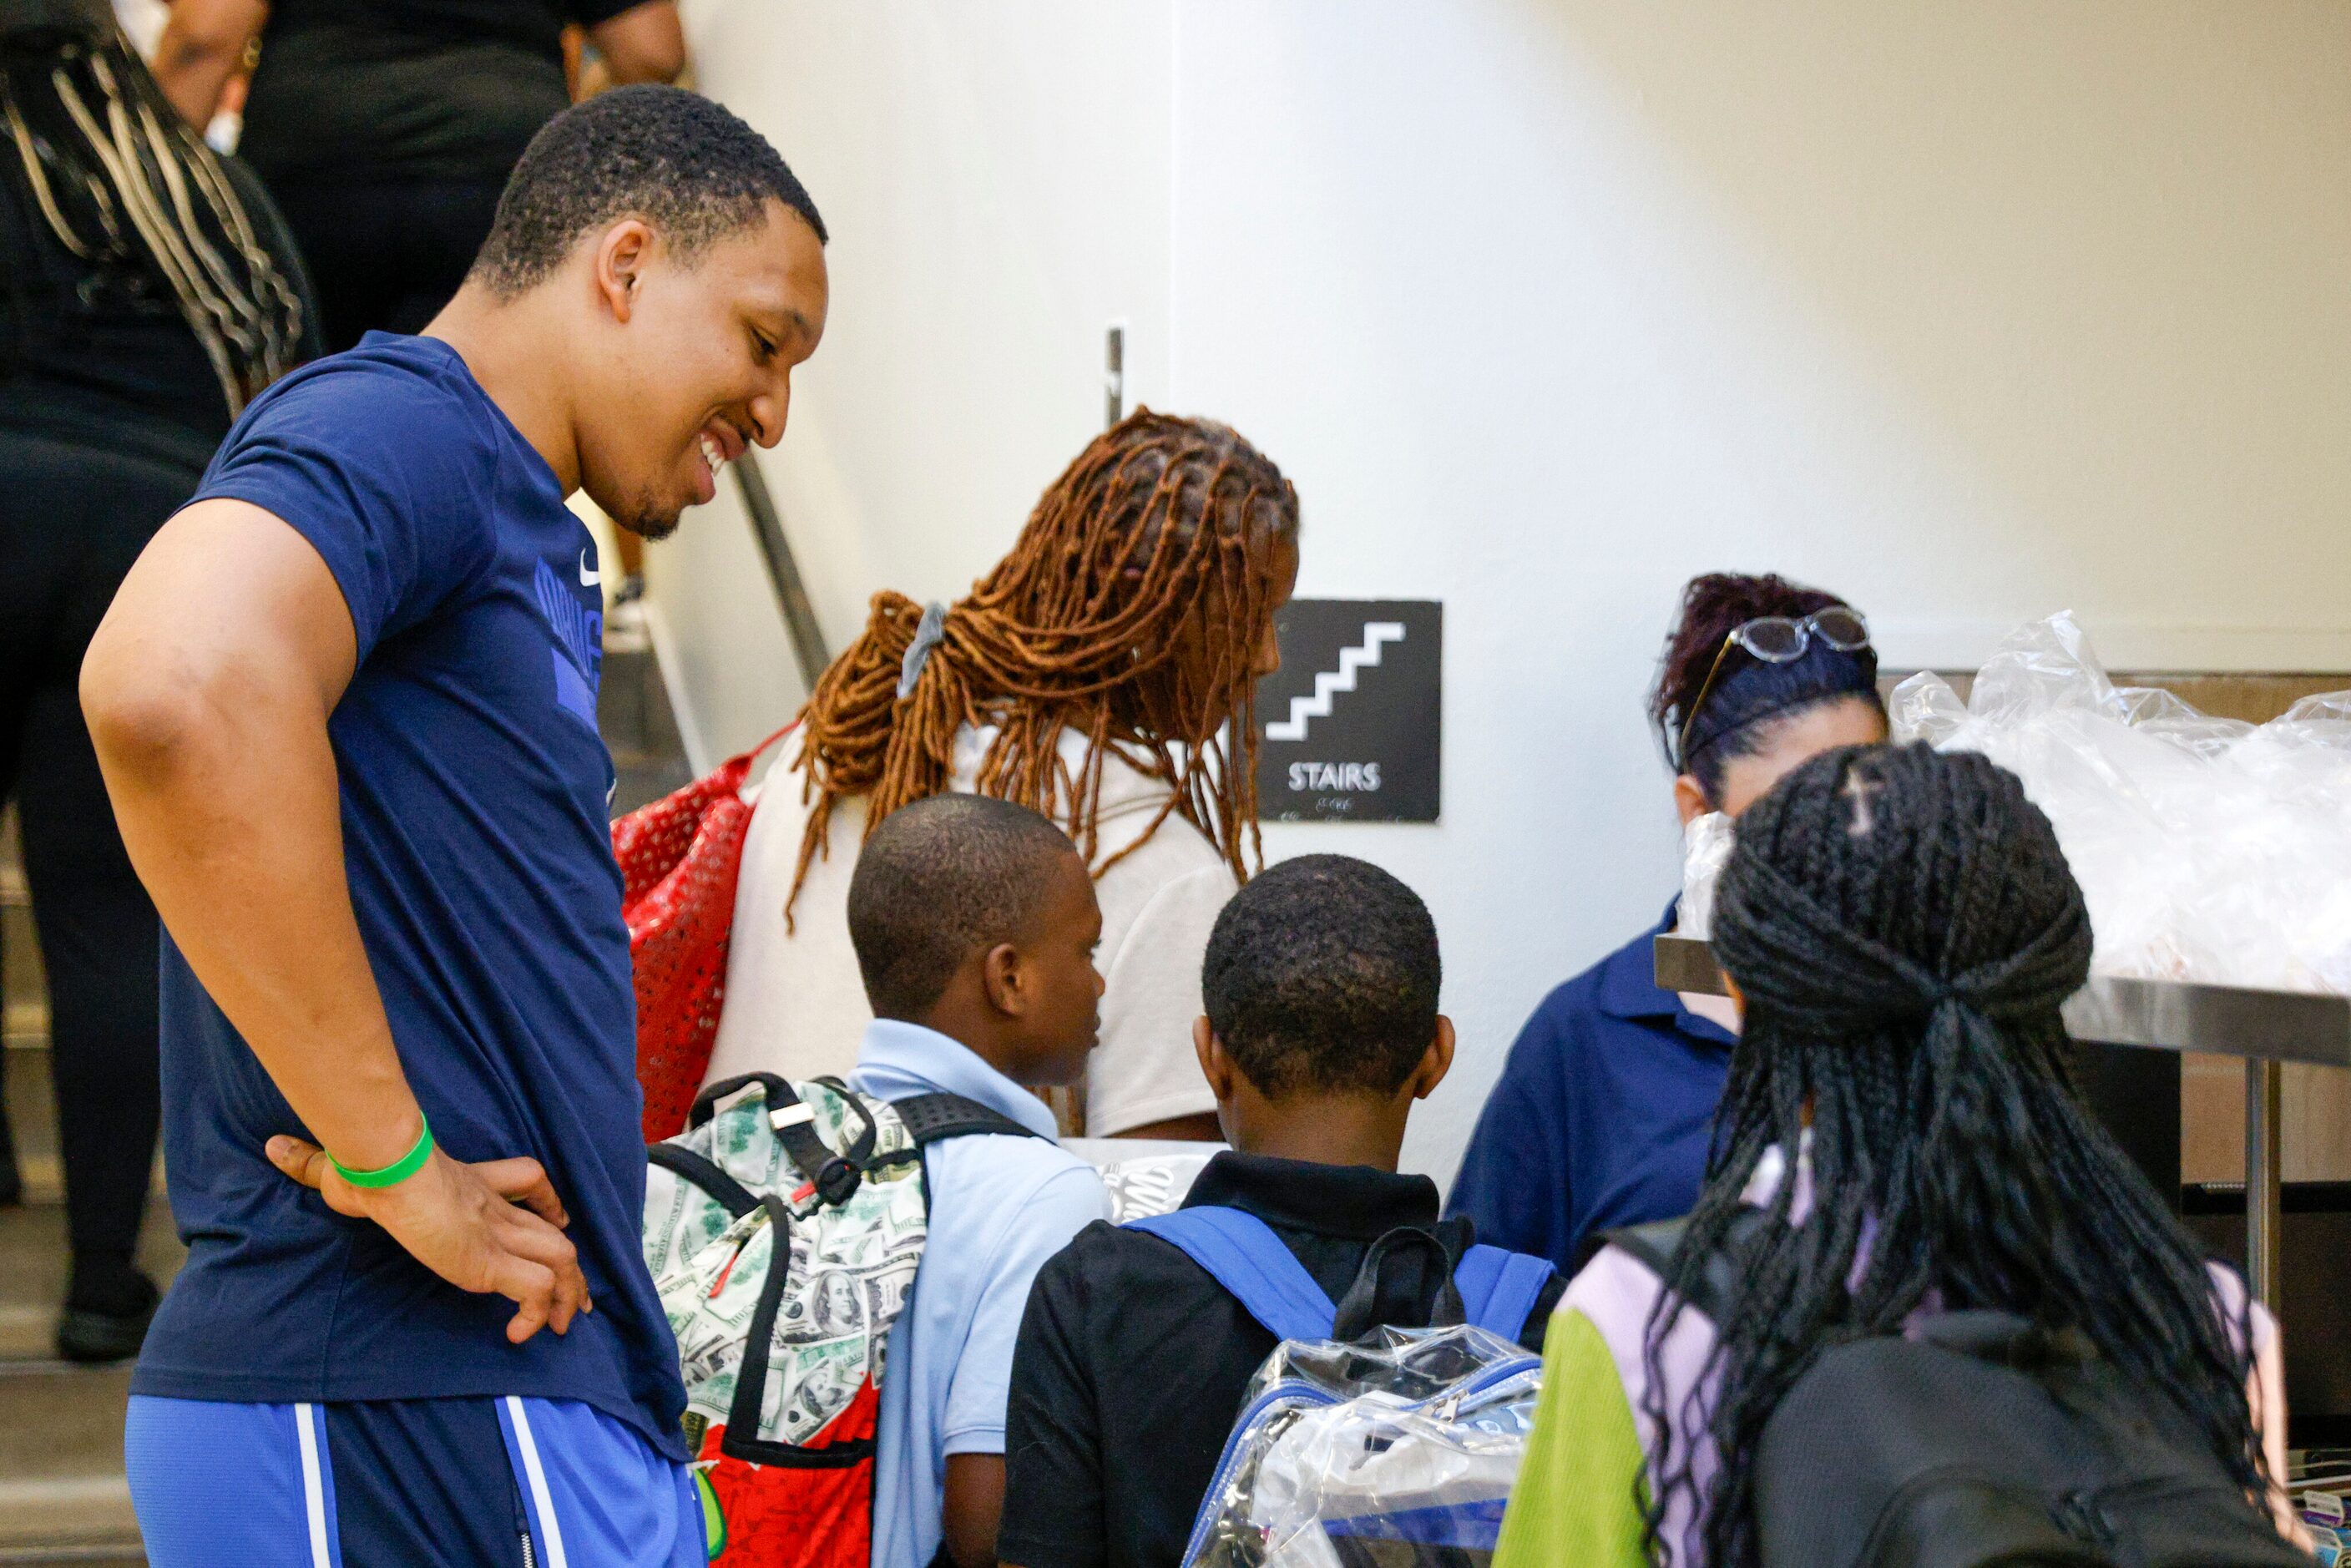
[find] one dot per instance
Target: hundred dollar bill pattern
(849, 1270)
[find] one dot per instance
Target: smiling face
(696, 360)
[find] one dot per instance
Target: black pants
(73, 517)
(384, 255)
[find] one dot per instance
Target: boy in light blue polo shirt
(974, 926)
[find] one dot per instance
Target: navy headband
(1751, 690)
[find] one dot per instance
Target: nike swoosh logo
(588, 579)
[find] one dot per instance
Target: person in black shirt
(1320, 980)
(386, 128)
(147, 293)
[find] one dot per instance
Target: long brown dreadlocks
(1130, 610)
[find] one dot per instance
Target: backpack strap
(930, 1118)
(1369, 1301)
(1654, 1246)
(706, 1104)
(833, 1178)
(1241, 1253)
(1500, 1288)
(684, 1162)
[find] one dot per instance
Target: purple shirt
(1617, 1292)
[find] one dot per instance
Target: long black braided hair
(132, 194)
(1904, 928)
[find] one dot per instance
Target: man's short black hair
(1321, 975)
(941, 879)
(683, 163)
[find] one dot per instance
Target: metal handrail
(783, 571)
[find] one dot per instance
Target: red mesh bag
(679, 860)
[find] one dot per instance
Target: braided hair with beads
(1130, 610)
(1904, 928)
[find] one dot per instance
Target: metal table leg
(2264, 1177)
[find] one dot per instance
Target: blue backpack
(1495, 1289)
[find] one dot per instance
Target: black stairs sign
(1351, 728)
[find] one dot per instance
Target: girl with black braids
(1600, 1115)
(1901, 928)
(1103, 674)
(147, 294)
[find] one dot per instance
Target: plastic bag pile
(1395, 1452)
(2209, 848)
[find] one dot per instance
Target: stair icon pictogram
(1328, 683)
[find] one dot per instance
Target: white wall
(995, 179)
(729, 665)
(1971, 310)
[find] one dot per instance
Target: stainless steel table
(2264, 1028)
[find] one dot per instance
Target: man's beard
(646, 520)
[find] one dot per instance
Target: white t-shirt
(796, 1006)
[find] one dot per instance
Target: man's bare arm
(203, 45)
(207, 690)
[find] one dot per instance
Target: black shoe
(108, 1328)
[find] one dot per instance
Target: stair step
(26, 1328)
(103, 1553)
(63, 1498)
(32, 1277)
(22, 982)
(633, 714)
(73, 1519)
(32, 1119)
(632, 709)
(61, 1482)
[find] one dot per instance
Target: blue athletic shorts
(472, 1483)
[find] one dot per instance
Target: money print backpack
(783, 1229)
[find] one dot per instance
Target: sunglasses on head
(1780, 639)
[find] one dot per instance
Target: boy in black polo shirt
(1321, 981)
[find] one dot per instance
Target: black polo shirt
(1132, 1362)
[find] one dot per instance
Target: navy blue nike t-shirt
(473, 788)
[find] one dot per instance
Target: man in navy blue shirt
(345, 703)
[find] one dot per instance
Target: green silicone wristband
(400, 1170)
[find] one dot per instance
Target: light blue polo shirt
(1000, 1206)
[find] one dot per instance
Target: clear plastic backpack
(1398, 1452)
(1393, 1449)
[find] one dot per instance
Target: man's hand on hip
(495, 1227)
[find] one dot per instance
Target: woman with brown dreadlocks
(1101, 674)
